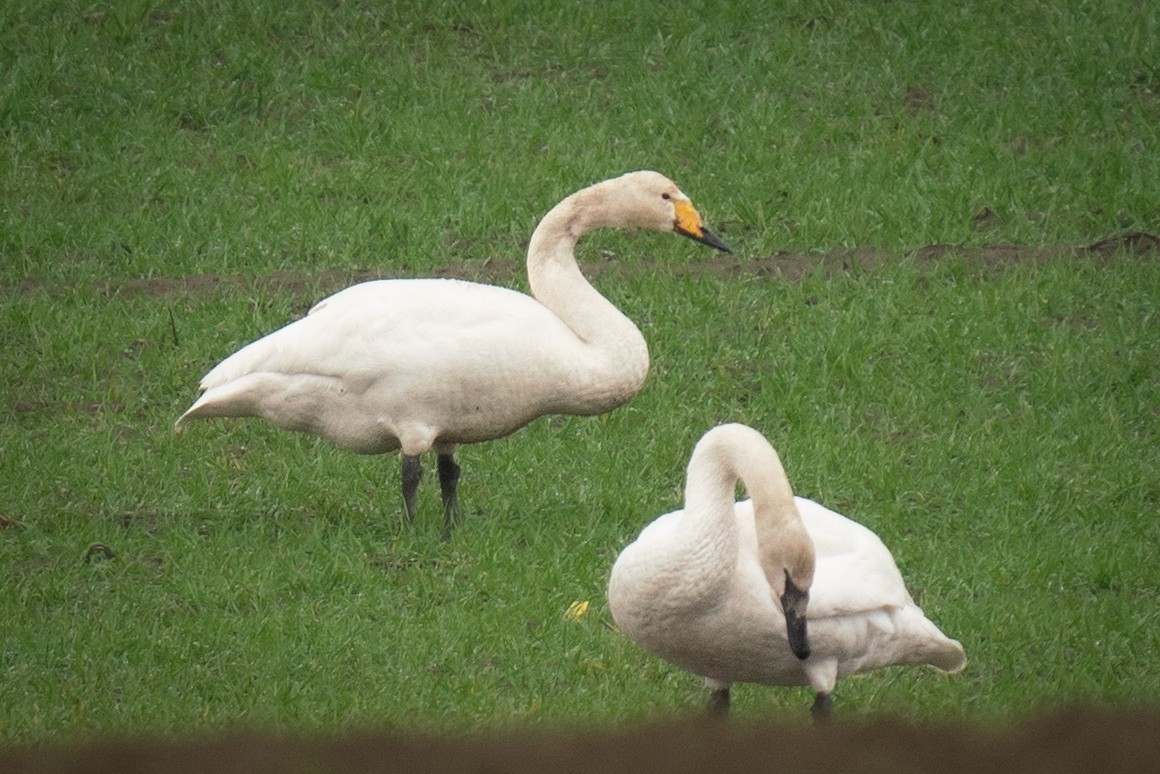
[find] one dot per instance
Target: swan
(421, 364)
(774, 590)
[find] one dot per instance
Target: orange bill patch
(688, 219)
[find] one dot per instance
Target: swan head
(650, 200)
(798, 561)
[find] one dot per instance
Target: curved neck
(615, 343)
(725, 455)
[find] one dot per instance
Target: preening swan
(420, 364)
(775, 590)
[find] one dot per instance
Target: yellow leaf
(576, 610)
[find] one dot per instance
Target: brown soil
(1067, 741)
(789, 266)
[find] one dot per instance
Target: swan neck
(737, 454)
(722, 460)
(551, 252)
(612, 340)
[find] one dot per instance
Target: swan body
(695, 590)
(421, 364)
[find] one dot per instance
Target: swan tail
(274, 397)
(224, 401)
(949, 657)
(940, 651)
(924, 643)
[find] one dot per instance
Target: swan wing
(855, 571)
(404, 323)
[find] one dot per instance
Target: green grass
(226, 136)
(998, 429)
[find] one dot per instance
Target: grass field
(178, 180)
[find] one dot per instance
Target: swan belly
(741, 649)
(728, 645)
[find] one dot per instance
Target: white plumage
(700, 589)
(420, 364)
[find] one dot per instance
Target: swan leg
(821, 709)
(448, 481)
(412, 474)
(719, 703)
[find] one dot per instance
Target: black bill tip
(799, 640)
(709, 238)
(794, 603)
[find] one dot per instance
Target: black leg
(412, 474)
(448, 480)
(821, 709)
(719, 703)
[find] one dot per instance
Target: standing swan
(416, 364)
(720, 589)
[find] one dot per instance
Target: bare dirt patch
(792, 267)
